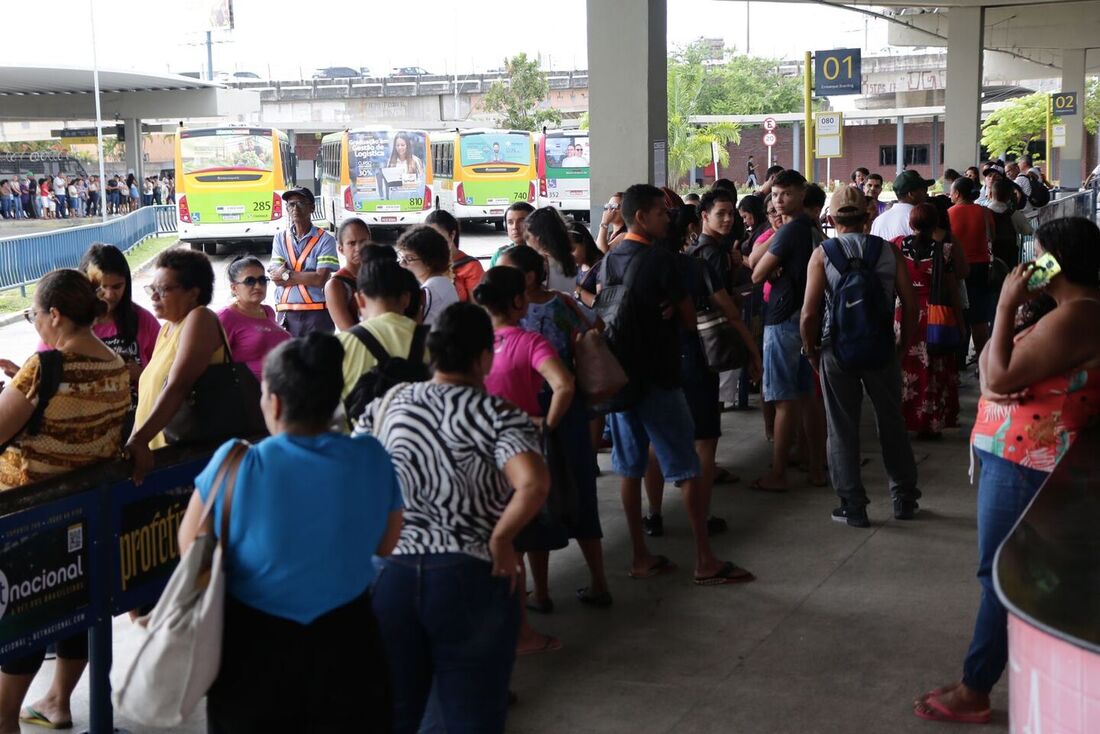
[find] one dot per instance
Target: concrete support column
(900, 146)
(627, 95)
(934, 154)
(796, 145)
(965, 39)
(135, 156)
(1073, 80)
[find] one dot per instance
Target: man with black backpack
(856, 278)
(640, 294)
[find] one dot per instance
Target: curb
(16, 317)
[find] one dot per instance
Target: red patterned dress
(930, 382)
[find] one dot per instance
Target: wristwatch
(286, 276)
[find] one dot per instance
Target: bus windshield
(482, 148)
(204, 151)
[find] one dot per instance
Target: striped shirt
(322, 257)
(448, 444)
(82, 424)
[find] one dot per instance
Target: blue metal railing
(26, 258)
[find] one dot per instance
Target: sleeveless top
(156, 372)
(1038, 432)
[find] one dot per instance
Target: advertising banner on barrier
(145, 522)
(46, 579)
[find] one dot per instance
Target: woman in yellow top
(86, 389)
(190, 340)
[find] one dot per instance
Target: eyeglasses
(405, 259)
(30, 315)
(611, 207)
(296, 204)
(253, 281)
(159, 292)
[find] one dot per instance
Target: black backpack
(1040, 194)
(387, 372)
(624, 330)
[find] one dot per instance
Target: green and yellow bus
(480, 173)
(229, 184)
(563, 174)
(378, 174)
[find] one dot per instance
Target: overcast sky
(442, 36)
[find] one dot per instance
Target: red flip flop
(931, 708)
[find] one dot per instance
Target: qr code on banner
(76, 538)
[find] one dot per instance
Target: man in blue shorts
(787, 374)
(658, 413)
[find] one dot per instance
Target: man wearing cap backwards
(302, 259)
(843, 388)
(911, 190)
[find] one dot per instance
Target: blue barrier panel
(26, 258)
(78, 549)
(49, 589)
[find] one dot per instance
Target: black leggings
(280, 676)
(71, 648)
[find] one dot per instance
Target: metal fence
(1078, 204)
(26, 258)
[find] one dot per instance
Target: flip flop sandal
(552, 644)
(37, 718)
(600, 601)
(662, 565)
(725, 476)
(727, 574)
(932, 709)
(761, 488)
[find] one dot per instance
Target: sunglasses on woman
(252, 281)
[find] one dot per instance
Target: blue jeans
(787, 374)
(447, 625)
(662, 417)
(1004, 492)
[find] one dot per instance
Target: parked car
(336, 72)
(364, 71)
(409, 71)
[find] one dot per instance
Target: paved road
(18, 340)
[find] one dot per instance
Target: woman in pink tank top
(1040, 376)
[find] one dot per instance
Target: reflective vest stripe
(297, 262)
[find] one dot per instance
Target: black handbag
(224, 403)
(722, 346)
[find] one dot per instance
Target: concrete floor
(841, 630)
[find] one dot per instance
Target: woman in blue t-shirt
(309, 509)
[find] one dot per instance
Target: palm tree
(691, 146)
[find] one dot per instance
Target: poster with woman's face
(387, 170)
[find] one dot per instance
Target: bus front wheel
(210, 248)
(196, 246)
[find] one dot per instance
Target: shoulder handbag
(942, 334)
(224, 403)
(178, 660)
(51, 368)
(722, 346)
(599, 375)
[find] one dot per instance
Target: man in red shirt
(972, 229)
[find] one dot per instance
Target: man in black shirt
(660, 414)
(714, 245)
(787, 375)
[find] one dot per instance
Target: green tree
(1092, 106)
(691, 145)
(1013, 127)
(518, 102)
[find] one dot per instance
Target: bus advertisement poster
(145, 522)
(46, 574)
(387, 170)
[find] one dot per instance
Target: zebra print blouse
(448, 444)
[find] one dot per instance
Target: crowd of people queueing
(450, 445)
(64, 196)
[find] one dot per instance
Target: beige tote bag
(179, 658)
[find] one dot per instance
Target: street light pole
(98, 118)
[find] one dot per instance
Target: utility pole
(209, 56)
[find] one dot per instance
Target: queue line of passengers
(489, 433)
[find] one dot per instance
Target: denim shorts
(787, 374)
(663, 418)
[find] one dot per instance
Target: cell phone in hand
(1046, 267)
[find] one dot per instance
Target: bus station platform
(842, 629)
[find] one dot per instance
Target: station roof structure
(67, 93)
